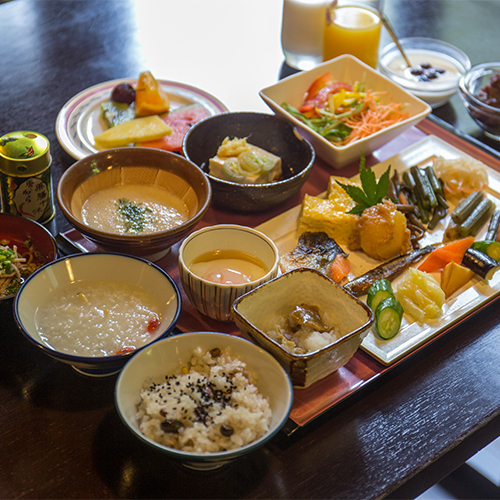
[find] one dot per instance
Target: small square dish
(258, 313)
(346, 69)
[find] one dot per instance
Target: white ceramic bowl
(258, 311)
(80, 267)
(167, 356)
(344, 69)
(419, 50)
(215, 300)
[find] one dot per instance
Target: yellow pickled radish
(150, 99)
(147, 128)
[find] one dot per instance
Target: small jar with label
(25, 178)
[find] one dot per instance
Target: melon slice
(147, 128)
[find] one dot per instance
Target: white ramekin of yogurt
(436, 68)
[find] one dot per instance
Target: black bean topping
(215, 352)
(226, 430)
(171, 426)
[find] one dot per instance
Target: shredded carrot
(375, 116)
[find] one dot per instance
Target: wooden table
(61, 436)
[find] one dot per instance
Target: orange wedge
(150, 99)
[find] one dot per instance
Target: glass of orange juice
(352, 29)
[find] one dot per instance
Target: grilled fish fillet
(313, 250)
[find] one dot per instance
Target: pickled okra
(493, 226)
(477, 219)
(466, 207)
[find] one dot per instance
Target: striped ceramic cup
(218, 264)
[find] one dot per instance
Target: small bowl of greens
(137, 201)
(345, 107)
(25, 246)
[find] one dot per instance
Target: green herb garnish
(371, 191)
(135, 215)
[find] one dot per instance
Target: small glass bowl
(486, 116)
(419, 50)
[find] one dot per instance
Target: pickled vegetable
(388, 316)
(420, 295)
(493, 226)
(454, 277)
(491, 248)
(477, 219)
(379, 291)
(483, 265)
(466, 207)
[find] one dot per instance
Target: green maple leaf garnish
(371, 191)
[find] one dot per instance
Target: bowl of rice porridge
(138, 201)
(94, 311)
(204, 398)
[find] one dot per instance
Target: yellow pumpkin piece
(150, 99)
(148, 128)
(454, 277)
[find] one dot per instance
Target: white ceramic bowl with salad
(364, 80)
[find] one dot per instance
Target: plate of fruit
(139, 111)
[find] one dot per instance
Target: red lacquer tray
(362, 369)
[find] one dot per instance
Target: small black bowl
(266, 131)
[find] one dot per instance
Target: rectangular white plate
(283, 231)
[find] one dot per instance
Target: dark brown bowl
(134, 166)
(266, 131)
(18, 230)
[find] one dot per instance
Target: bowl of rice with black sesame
(204, 398)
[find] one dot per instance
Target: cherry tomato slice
(320, 100)
(318, 84)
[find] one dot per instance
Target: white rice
(211, 395)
